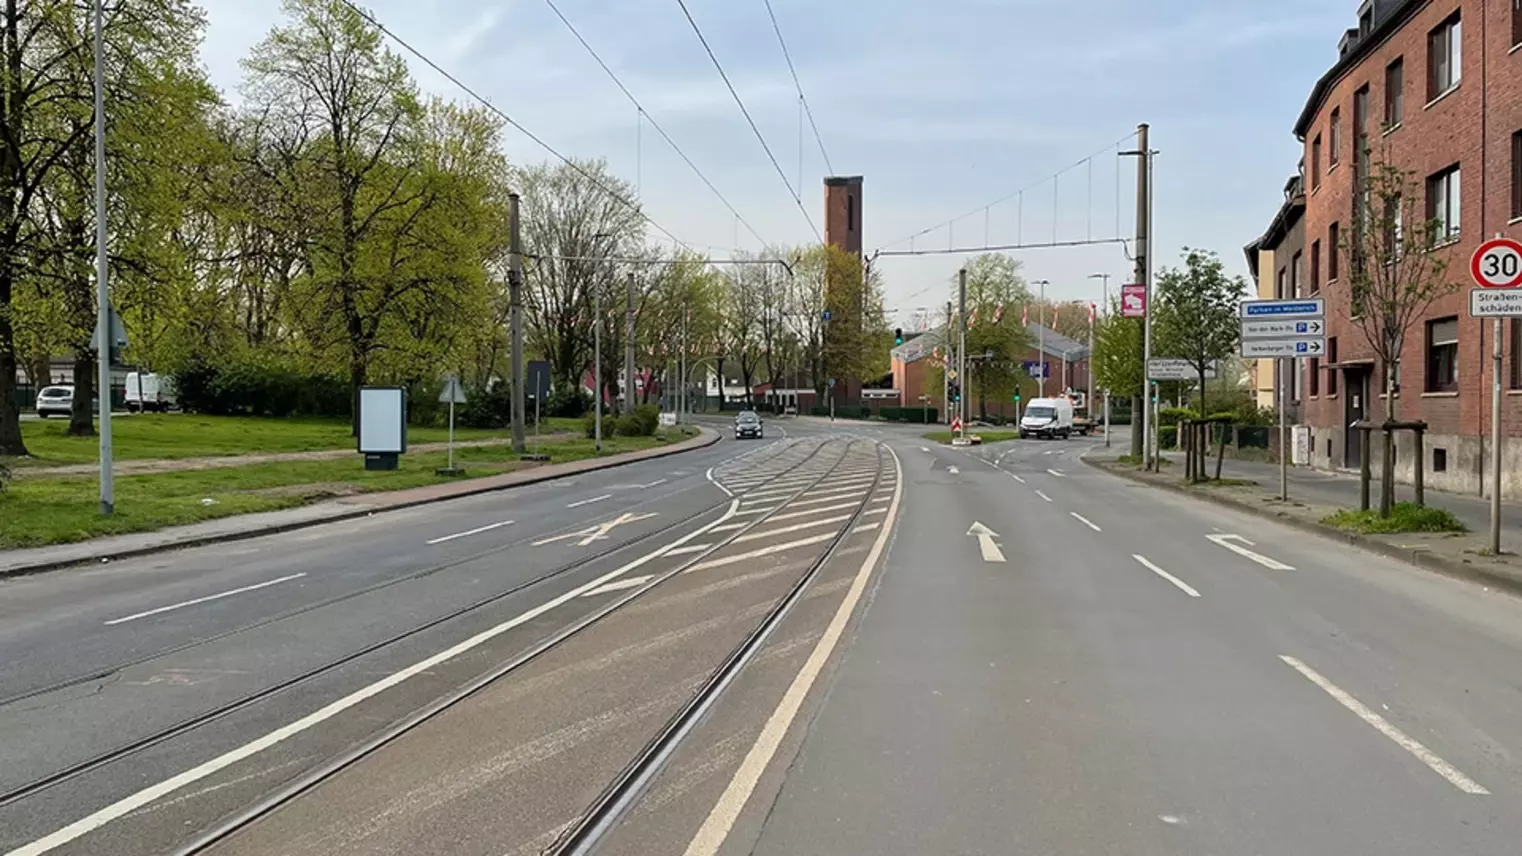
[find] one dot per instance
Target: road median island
(52, 522)
(1456, 553)
(945, 437)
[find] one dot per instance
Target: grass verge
(1404, 517)
(945, 437)
(55, 510)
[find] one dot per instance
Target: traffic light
(1017, 396)
(956, 391)
(898, 336)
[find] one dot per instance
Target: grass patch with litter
(1404, 517)
(945, 437)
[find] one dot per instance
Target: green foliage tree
(996, 341)
(1117, 361)
(1195, 313)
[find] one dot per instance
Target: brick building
(842, 229)
(1434, 87)
(1277, 263)
(916, 370)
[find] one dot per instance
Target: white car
(55, 401)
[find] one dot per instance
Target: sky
(944, 108)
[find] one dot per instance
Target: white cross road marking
(596, 532)
(1225, 541)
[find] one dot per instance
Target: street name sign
(1283, 309)
(1270, 348)
(1163, 368)
(1281, 329)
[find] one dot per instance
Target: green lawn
(53, 510)
(186, 435)
(988, 436)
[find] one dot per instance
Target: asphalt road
(1046, 659)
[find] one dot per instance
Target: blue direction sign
(1038, 368)
(1281, 309)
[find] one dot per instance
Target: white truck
(147, 391)
(1047, 417)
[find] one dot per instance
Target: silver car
(55, 401)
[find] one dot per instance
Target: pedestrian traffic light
(898, 336)
(1017, 396)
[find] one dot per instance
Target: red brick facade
(842, 213)
(1469, 125)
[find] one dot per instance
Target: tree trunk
(81, 418)
(1204, 412)
(1136, 426)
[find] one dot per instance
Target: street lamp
(1041, 341)
(1106, 304)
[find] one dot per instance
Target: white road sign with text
(1495, 303)
(1271, 348)
(1282, 329)
(1163, 368)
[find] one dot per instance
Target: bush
(1167, 436)
(589, 425)
(630, 426)
(5, 476)
(1174, 415)
(260, 388)
(568, 403)
(648, 416)
(1404, 517)
(486, 408)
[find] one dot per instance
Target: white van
(1047, 417)
(147, 391)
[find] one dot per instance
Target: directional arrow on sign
(986, 536)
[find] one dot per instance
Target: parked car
(747, 424)
(55, 401)
(149, 392)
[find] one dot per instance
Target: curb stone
(707, 438)
(1418, 557)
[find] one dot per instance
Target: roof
(1285, 219)
(1389, 17)
(1054, 344)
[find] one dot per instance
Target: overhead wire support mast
(516, 125)
(645, 115)
(723, 75)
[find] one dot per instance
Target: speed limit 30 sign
(1497, 269)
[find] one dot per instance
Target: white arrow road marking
(590, 501)
(476, 531)
(986, 536)
(1057, 474)
(1380, 724)
(1225, 541)
(1183, 586)
(267, 583)
(1085, 521)
(1043, 496)
(923, 449)
(953, 470)
(597, 532)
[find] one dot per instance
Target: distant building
(917, 369)
(1277, 261)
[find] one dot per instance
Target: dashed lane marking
(1043, 495)
(810, 512)
(476, 531)
(689, 548)
(1085, 521)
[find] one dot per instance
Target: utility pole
(629, 345)
(1041, 340)
(946, 375)
(102, 286)
(1144, 275)
(515, 316)
(681, 404)
(597, 367)
(1106, 306)
(962, 347)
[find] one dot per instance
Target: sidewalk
(36, 559)
(1319, 487)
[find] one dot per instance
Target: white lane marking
(810, 512)
(758, 553)
(881, 499)
(597, 531)
(1085, 521)
(710, 836)
(866, 527)
(837, 496)
(1380, 724)
(266, 584)
(874, 511)
(1048, 451)
(590, 501)
(729, 527)
(476, 531)
(986, 545)
(709, 475)
(145, 796)
(796, 527)
(1225, 541)
(924, 449)
(1017, 478)
(953, 470)
(1183, 586)
(1043, 496)
(1057, 474)
(620, 585)
(690, 548)
(651, 484)
(758, 510)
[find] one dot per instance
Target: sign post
(1285, 331)
(1496, 268)
(452, 393)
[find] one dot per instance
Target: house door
(1356, 386)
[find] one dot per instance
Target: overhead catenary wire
(646, 117)
(498, 112)
(802, 99)
(740, 102)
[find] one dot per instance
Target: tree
(1393, 278)
(996, 341)
(1196, 313)
(1117, 361)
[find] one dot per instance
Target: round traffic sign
(1497, 264)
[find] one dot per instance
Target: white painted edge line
(590, 501)
(759, 552)
(620, 585)
(145, 796)
(792, 515)
(882, 499)
(874, 511)
(1183, 586)
(1085, 521)
(690, 548)
(476, 531)
(1043, 496)
(867, 527)
(1380, 724)
(709, 475)
(173, 606)
(715, 829)
(1265, 561)
(1057, 474)
(796, 527)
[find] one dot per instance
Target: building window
(1316, 158)
(850, 213)
(1395, 96)
(1444, 57)
(1296, 275)
(1333, 252)
(1515, 329)
(1316, 264)
(1360, 121)
(1334, 137)
(1279, 286)
(1439, 454)
(1331, 364)
(1443, 204)
(1516, 22)
(1395, 234)
(1315, 376)
(1443, 354)
(1516, 167)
